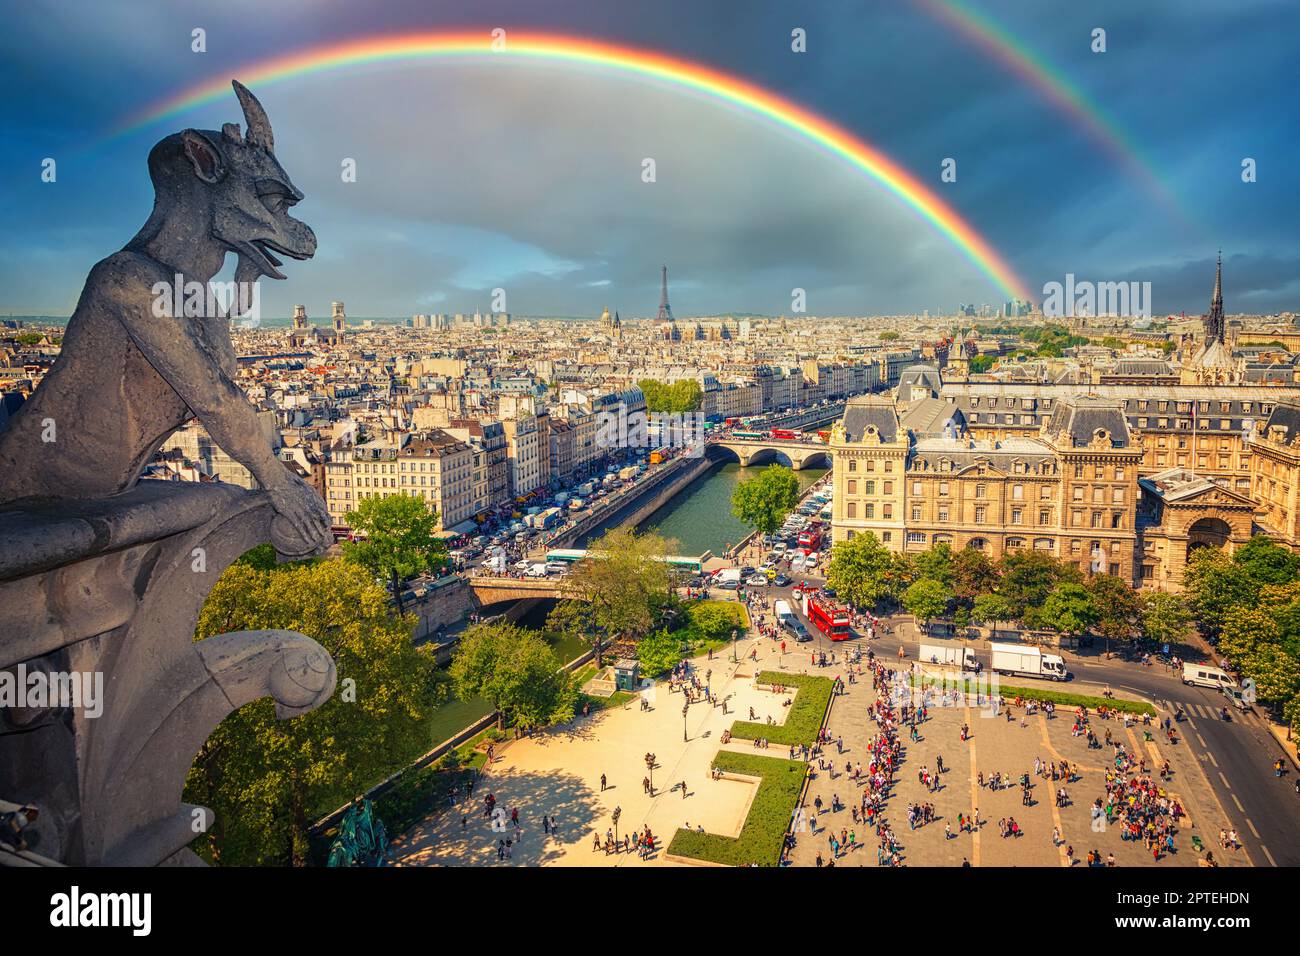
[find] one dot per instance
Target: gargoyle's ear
(208, 163)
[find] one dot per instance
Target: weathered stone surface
(100, 575)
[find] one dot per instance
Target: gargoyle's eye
(276, 201)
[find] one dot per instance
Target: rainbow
(1053, 85)
(553, 48)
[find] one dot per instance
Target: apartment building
(433, 466)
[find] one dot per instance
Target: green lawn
(768, 819)
(806, 713)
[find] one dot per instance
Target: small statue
(362, 839)
(127, 377)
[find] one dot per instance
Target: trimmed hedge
(1061, 698)
(769, 817)
(805, 716)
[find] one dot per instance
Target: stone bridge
(799, 454)
(490, 589)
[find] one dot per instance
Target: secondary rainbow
(522, 46)
(1053, 85)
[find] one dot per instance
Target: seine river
(700, 517)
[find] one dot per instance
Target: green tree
(1069, 609)
(935, 563)
(516, 671)
(926, 599)
(1028, 577)
(991, 608)
(1276, 674)
(1245, 631)
(1165, 617)
(682, 396)
(399, 539)
(861, 570)
(1118, 606)
(765, 499)
(658, 653)
(714, 620)
(973, 574)
(979, 364)
(267, 779)
(627, 583)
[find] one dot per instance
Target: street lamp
(734, 634)
(686, 709)
(618, 812)
(650, 765)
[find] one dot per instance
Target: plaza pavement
(557, 773)
(1009, 747)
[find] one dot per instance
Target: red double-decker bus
(827, 616)
(785, 434)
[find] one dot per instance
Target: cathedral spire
(1215, 326)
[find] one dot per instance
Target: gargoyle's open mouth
(259, 250)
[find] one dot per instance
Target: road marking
(1210, 754)
(1202, 740)
(1240, 808)
(1056, 811)
(1271, 861)
(1252, 828)
(1191, 723)
(974, 793)
(1225, 780)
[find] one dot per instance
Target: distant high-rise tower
(1215, 326)
(665, 310)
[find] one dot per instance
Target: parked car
(756, 581)
(781, 580)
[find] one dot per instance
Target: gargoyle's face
(250, 193)
(251, 213)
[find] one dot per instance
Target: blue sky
(472, 178)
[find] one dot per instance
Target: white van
(1202, 675)
(784, 612)
(536, 571)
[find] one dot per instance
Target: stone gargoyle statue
(127, 378)
(103, 576)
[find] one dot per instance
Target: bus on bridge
(574, 555)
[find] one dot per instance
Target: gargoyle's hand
(301, 525)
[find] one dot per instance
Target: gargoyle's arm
(176, 348)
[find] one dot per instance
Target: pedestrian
(602, 783)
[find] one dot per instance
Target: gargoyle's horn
(259, 127)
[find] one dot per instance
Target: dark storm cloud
(472, 181)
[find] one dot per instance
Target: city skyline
(529, 179)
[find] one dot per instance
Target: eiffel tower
(665, 310)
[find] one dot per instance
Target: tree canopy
(622, 587)
(267, 779)
(765, 499)
(516, 671)
(682, 396)
(399, 538)
(864, 572)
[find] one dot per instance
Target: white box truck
(1027, 661)
(947, 656)
(784, 613)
